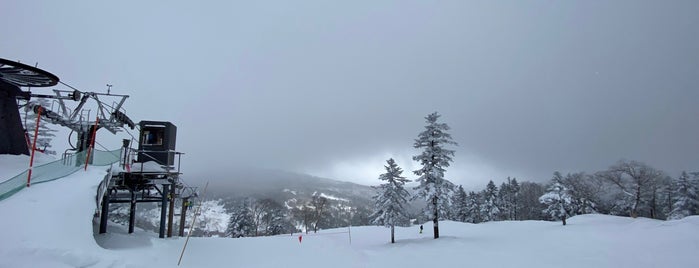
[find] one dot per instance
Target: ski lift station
(148, 173)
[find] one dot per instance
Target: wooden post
(191, 228)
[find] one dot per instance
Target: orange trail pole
(31, 159)
(92, 142)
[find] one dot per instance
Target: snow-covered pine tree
(434, 188)
(460, 205)
(474, 207)
(514, 197)
(388, 209)
(489, 208)
(46, 133)
(503, 201)
(558, 200)
(685, 198)
(242, 220)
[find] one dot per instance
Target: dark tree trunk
(634, 210)
(564, 220)
(393, 239)
(653, 206)
(436, 228)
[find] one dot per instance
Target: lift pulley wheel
(23, 75)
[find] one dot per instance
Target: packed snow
(52, 225)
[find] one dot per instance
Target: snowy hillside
(51, 225)
(283, 186)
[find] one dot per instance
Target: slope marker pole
(31, 159)
(191, 228)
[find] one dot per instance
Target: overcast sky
(334, 89)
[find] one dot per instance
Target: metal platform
(131, 184)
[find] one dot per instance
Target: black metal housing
(157, 142)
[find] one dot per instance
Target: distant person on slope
(420, 228)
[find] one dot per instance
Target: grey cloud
(528, 87)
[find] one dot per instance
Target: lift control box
(157, 142)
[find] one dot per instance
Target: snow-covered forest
(626, 188)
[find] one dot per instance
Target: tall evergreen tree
(474, 207)
(460, 205)
(434, 159)
(504, 201)
(242, 220)
(489, 208)
(686, 202)
(514, 197)
(388, 209)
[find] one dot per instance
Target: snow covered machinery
(14, 75)
(148, 174)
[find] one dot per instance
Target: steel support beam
(104, 215)
(163, 210)
(132, 212)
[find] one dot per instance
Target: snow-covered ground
(51, 225)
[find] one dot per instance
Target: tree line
(627, 188)
(264, 217)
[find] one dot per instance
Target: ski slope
(51, 225)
